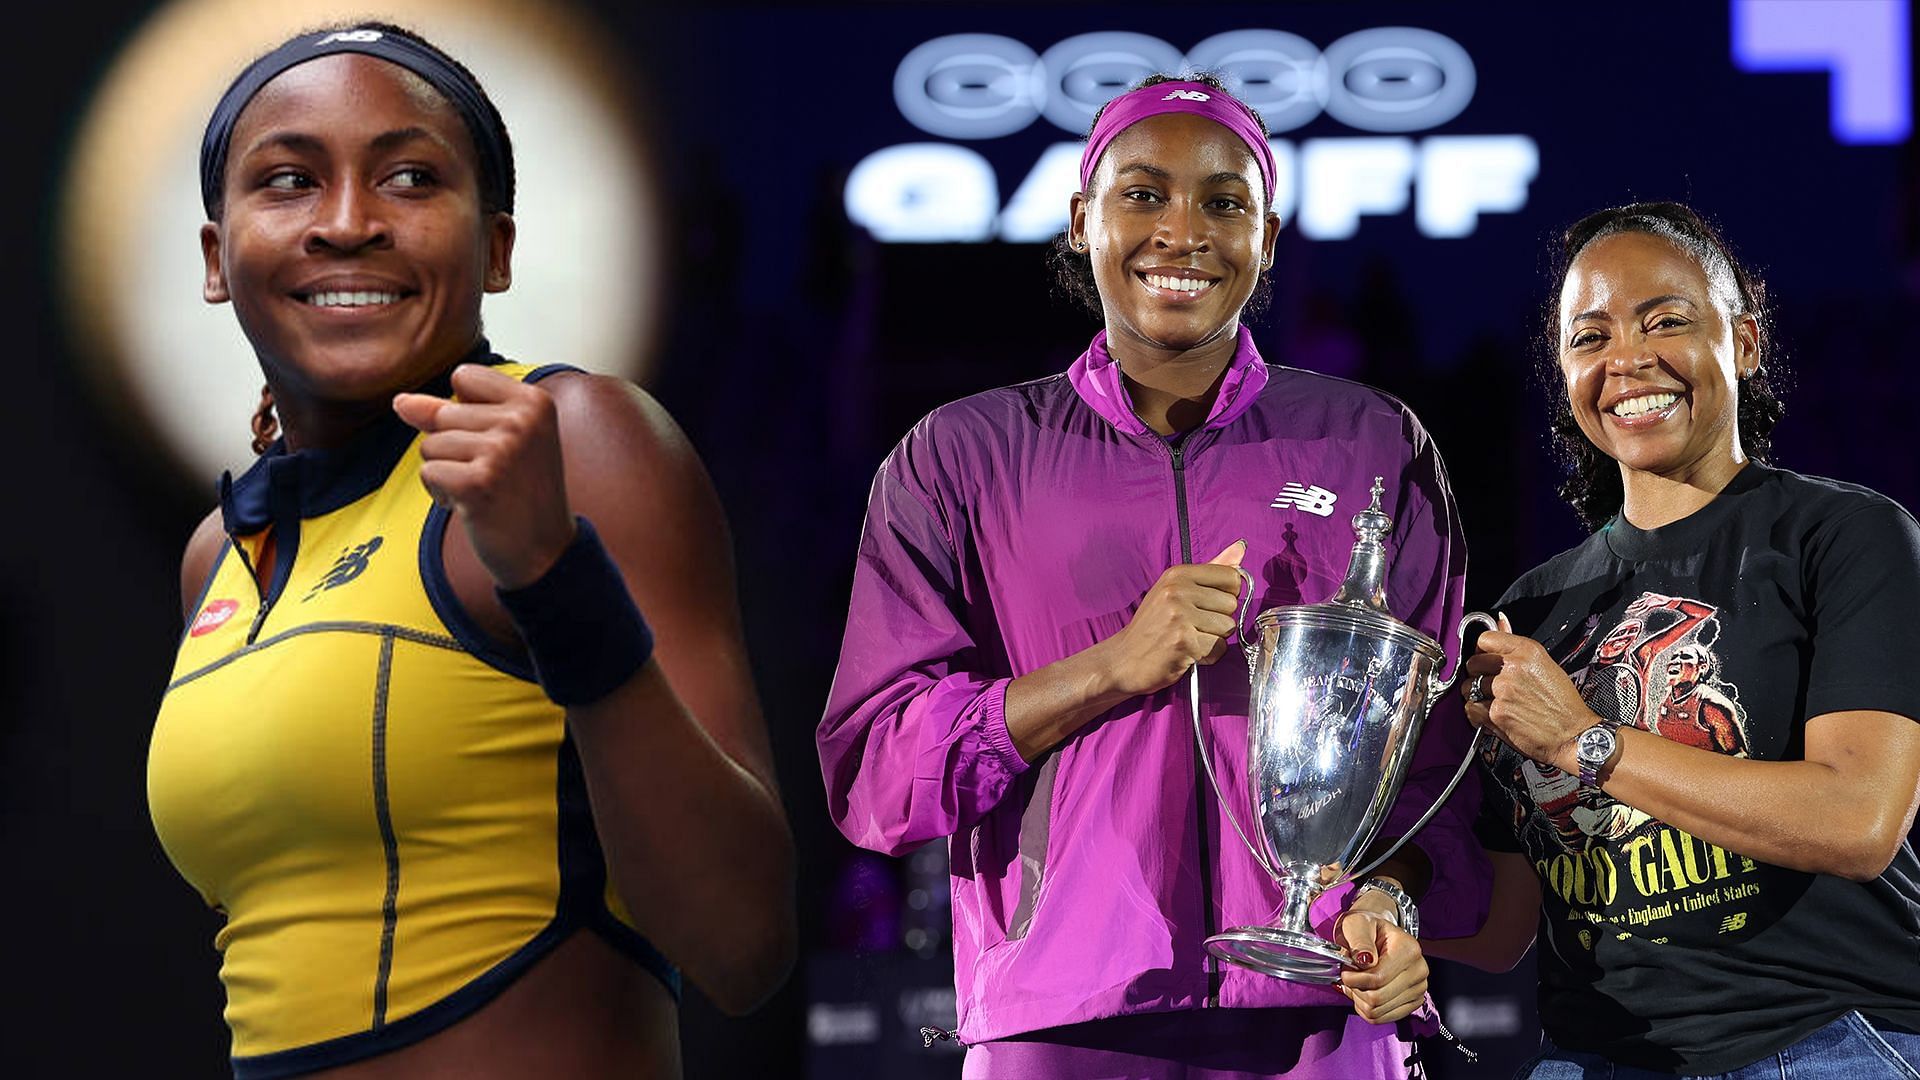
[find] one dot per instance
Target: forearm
(1746, 806)
(1044, 707)
(1408, 868)
(697, 844)
(1513, 918)
(1443, 870)
(905, 761)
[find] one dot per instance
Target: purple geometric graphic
(1862, 44)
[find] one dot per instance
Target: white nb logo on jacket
(1313, 499)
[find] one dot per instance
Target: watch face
(1596, 744)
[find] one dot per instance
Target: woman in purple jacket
(1028, 597)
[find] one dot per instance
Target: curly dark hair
(1073, 270)
(1593, 486)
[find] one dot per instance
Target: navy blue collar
(285, 487)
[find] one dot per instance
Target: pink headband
(1189, 97)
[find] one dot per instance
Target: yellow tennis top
(383, 803)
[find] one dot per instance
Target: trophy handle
(1486, 621)
(1473, 746)
(1240, 609)
(1206, 762)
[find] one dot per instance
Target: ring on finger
(1477, 689)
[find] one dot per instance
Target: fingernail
(1365, 959)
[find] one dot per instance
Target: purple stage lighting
(1863, 44)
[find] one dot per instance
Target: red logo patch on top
(213, 617)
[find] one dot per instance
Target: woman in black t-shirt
(1708, 754)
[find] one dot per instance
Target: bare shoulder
(621, 444)
(584, 398)
(203, 547)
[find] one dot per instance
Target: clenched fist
(1182, 621)
(493, 455)
(1530, 702)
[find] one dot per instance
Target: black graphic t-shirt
(1787, 597)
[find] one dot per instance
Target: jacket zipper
(266, 601)
(1179, 451)
(263, 589)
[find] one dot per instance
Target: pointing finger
(1231, 554)
(420, 411)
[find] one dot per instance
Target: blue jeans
(1847, 1049)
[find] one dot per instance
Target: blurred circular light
(1397, 78)
(586, 275)
(967, 86)
(1082, 73)
(1279, 75)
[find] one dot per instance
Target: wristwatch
(1593, 748)
(1406, 911)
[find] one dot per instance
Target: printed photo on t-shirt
(1652, 666)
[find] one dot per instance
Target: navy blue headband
(440, 72)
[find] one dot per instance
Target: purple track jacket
(1016, 527)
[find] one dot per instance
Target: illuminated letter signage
(1387, 81)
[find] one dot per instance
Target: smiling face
(1177, 228)
(351, 241)
(1652, 349)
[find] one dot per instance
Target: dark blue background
(798, 350)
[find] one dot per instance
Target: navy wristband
(583, 632)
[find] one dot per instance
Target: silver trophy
(1340, 693)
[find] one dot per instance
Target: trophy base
(1283, 954)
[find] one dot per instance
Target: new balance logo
(1313, 499)
(360, 37)
(1187, 95)
(351, 564)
